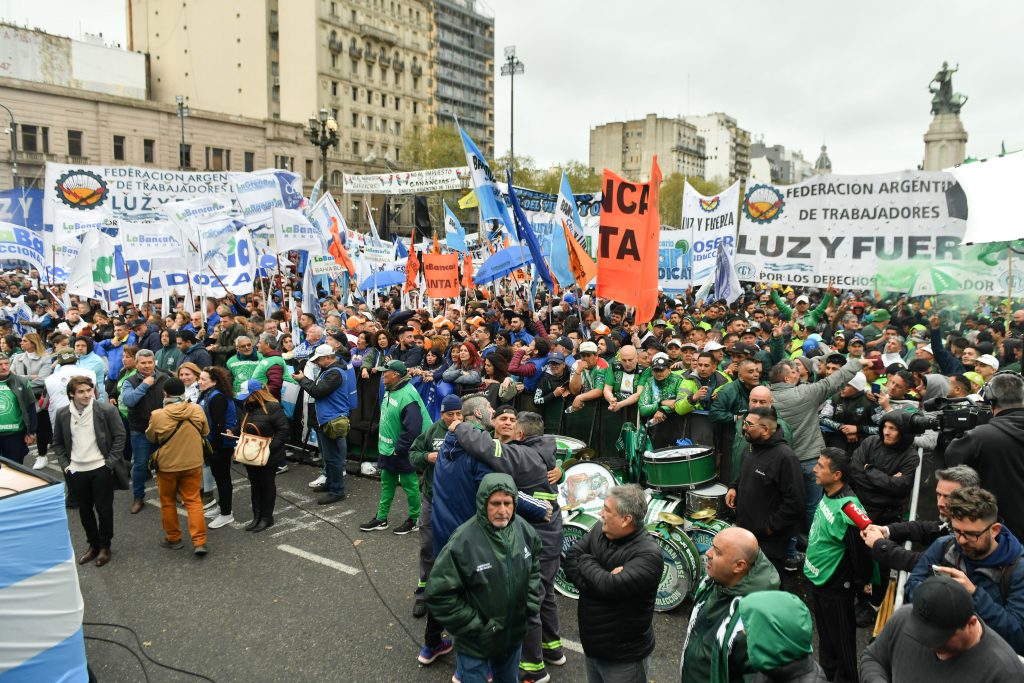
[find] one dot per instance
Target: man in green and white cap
(873, 332)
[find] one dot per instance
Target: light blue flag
(400, 250)
(454, 235)
(565, 211)
(492, 207)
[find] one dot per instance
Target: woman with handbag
(262, 433)
(221, 413)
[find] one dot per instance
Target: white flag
(294, 231)
(161, 239)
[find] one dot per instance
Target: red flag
(467, 271)
(412, 269)
(627, 252)
(337, 249)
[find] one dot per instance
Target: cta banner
(890, 232)
(409, 182)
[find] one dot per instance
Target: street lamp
(511, 67)
(182, 113)
(323, 133)
(14, 148)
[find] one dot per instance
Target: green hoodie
(713, 604)
(485, 585)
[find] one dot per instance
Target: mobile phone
(876, 389)
(932, 570)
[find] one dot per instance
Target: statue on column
(944, 100)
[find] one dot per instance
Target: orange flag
(627, 249)
(437, 247)
(412, 269)
(441, 271)
(583, 267)
(337, 249)
(467, 271)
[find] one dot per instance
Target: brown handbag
(252, 449)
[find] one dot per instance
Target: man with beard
(768, 491)
(982, 556)
(729, 407)
(696, 392)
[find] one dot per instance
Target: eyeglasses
(749, 424)
(970, 535)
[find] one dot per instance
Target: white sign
(408, 182)
(324, 265)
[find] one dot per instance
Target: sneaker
(374, 525)
(537, 678)
(207, 505)
(220, 520)
(40, 463)
(865, 613)
(329, 498)
(200, 551)
(322, 488)
(429, 654)
(554, 657)
(282, 468)
(171, 545)
(319, 481)
(408, 526)
(212, 512)
(795, 563)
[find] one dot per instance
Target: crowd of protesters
(818, 404)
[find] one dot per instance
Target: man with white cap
(986, 366)
(939, 638)
(847, 417)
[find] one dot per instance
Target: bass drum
(573, 529)
(703, 533)
(679, 467)
(567, 447)
(585, 486)
(682, 566)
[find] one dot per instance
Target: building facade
(787, 166)
(368, 62)
(727, 147)
(464, 69)
(627, 147)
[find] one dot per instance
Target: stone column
(945, 143)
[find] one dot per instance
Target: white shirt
(57, 387)
(85, 453)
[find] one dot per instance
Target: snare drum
(677, 468)
(585, 486)
(682, 566)
(566, 447)
(703, 533)
(710, 497)
(573, 529)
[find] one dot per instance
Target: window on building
(273, 41)
(334, 9)
(398, 78)
(355, 94)
(284, 162)
(275, 93)
(369, 71)
(354, 20)
(398, 103)
(369, 123)
(398, 154)
(355, 120)
(415, 83)
(218, 159)
(309, 168)
(369, 97)
(334, 88)
(415, 107)
(75, 143)
(398, 127)
(275, 69)
(334, 61)
(334, 114)
(335, 178)
(118, 148)
(355, 147)
(149, 151)
(250, 162)
(185, 154)
(35, 139)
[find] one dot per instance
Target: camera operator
(996, 449)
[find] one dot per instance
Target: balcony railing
(355, 52)
(335, 45)
(378, 33)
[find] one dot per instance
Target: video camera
(956, 416)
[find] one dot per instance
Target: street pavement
(310, 599)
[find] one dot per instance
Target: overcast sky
(852, 75)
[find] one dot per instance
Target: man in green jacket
(485, 584)
(17, 413)
(243, 364)
(403, 417)
(658, 402)
(735, 567)
(809, 320)
(730, 405)
(423, 455)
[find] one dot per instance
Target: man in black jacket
(617, 567)
(143, 393)
(886, 542)
(883, 469)
(995, 449)
(768, 494)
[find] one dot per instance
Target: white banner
(18, 243)
(409, 182)
(687, 256)
(152, 240)
(890, 232)
(324, 265)
(69, 223)
(294, 231)
(259, 193)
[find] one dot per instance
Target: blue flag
(454, 235)
(526, 233)
(492, 208)
(400, 250)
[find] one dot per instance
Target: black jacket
(890, 551)
(616, 610)
(874, 468)
(138, 414)
(770, 494)
(273, 422)
(107, 426)
(996, 451)
(804, 670)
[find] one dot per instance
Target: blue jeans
(334, 451)
(504, 669)
(142, 448)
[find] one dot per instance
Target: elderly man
(485, 585)
(939, 638)
(403, 417)
(243, 364)
(333, 394)
(313, 336)
(982, 556)
(768, 491)
(230, 330)
(735, 566)
(617, 567)
(142, 393)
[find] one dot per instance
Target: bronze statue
(945, 101)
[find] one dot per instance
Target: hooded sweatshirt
(875, 466)
(712, 605)
(485, 585)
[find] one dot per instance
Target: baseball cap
(690, 345)
(674, 342)
(556, 357)
(65, 357)
(599, 328)
(880, 315)
(927, 348)
(323, 351)
(661, 363)
(588, 347)
(989, 360)
(396, 366)
(569, 298)
(740, 347)
(475, 320)
(354, 321)
(941, 607)
(857, 338)
(803, 299)
(564, 342)
(859, 382)
(250, 387)
(660, 322)
(504, 410)
(713, 346)
(749, 330)
(878, 365)
(661, 355)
